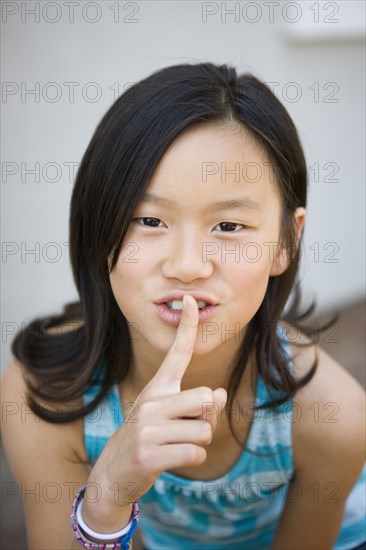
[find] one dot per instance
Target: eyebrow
(240, 202)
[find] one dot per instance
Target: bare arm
(48, 471)
(329, 457)
(40, 457)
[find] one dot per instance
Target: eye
(229, 227)
(148, 221)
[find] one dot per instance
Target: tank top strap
(103, 421)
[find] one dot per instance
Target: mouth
(177, 305)
(174, 300)
(170, 308)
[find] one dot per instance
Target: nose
(185, 260)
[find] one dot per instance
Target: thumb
(220, 397)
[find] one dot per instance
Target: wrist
(106, 517)
(90, 538)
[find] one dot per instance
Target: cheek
(247, 268)
(125, 281)
(248, 281)
(137, 255)
(248, 285)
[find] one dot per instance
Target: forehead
(216, 161)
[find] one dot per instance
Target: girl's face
(209, 224)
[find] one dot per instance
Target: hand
(172, 426)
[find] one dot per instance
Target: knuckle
(141, 456)
(200, 455)
(206, 432)
(213, 423)
(146, 409)
(143, 434)
(194, 454)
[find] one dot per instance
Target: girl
(178, 393)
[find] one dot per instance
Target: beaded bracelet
(122, 544)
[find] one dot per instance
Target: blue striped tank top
(241, 509)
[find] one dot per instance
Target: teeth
(175, 304)
(178, 304)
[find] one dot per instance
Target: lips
(172, 316)
(178, 295)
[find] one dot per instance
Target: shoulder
(17, 417)
(45, 462)
(329, 414)
(331, 383)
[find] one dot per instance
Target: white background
(316, 61)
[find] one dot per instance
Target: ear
(282, 260)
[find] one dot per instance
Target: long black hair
(115, 170)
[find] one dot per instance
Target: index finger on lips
(178, 357)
